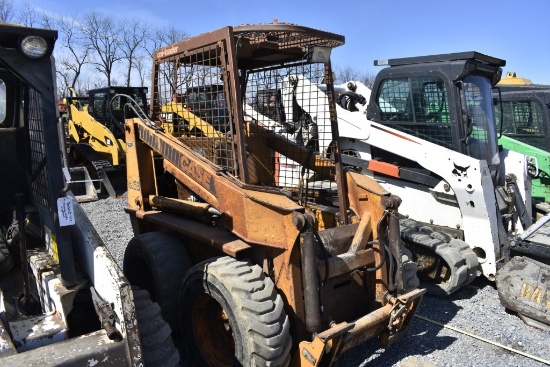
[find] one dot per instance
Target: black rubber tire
(157, 346)
(231, 315)
(157, 262)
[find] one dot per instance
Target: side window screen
(393, 98)
(523, 121)
(99, 107)
(418, 106)
(2, 103)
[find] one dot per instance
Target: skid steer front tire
(231, 315)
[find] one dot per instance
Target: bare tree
(27, 15)
(7, 11)
(73, 54)
(164, 36)
(349, 73)
(94, 43)
(368, 78)
(134, 35)
(103, 39)
(142, 65)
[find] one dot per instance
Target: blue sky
(374, 29)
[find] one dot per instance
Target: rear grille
(39, 167)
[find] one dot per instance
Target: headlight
(34, 46)
(108, 141)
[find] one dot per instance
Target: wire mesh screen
(523, 121)
(418, 106)
(100, 107)
(265, 89)
(191, 101)
(39, 184)
(289, 108)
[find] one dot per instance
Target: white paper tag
(65, 211)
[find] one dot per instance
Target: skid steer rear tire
(157, 262)
(155, 335)
(231, 315)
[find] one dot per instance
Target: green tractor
(523, 110)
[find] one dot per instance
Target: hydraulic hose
(310, 282)
(395, 249)
(381, 243)
(20, 215)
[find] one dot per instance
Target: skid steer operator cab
(21, 119)
(63, 299)
(525, 113)
(106, 105)
(444, 99)
(522, 112)
(447, 99)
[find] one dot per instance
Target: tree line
(118, 50)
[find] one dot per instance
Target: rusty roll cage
(285, 36)
(257, 45)
(248, 47)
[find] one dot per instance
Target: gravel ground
(475, 310)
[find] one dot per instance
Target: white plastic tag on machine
(65, 211)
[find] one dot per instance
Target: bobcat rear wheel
(155, 335)
(231, 315)
(157, 262)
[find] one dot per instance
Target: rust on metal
(220, 239)
(192, 208)
(367, 326)
(347, 262)
(362, 234)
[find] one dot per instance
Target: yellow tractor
(95, 128)
(511, 78)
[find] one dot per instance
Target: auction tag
(65, 211)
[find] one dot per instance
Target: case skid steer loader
(429, 135)
(63, 300)
(522, 112)
(251, 273)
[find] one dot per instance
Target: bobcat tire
(231, 315)
(157, 262)
(157, 346)
(460, 259)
